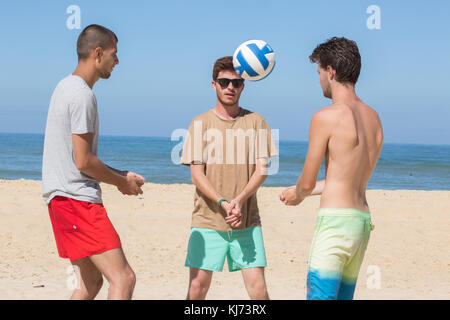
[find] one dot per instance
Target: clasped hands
(233, 208)
(233, 211)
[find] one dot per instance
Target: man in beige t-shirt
(227, 149)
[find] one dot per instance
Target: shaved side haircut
(94, 36)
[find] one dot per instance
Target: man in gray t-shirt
(73, 110)
(71, 173)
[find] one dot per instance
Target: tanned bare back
(351, 155)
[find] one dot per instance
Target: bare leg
(90, 280)
(199, 282)
(255, 283)
(114, 266)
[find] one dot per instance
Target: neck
(87, 72)
(343, 93)
(227, 112)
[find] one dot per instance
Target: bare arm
(318, 189)
(256, 181)
(89, 164)
(122, 173)
(198, 178)
(139, 179)
(319, 135)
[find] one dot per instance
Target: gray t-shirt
(73, 110)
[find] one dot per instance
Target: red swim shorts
(81, 228)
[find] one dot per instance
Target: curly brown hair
(342, 55)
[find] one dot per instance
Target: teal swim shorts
(208, 248)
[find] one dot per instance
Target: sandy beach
(409, 245)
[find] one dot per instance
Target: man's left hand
(289, 197)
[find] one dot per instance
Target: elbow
(82, 164)
(194, 179)
(81, 167)
(307, 188)
(197, 174)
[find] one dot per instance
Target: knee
(125, 279)
(197, 285)
(198, 288)
(97, 285)
(259, 286)
(93, 287)
(257, 289)
(130, 278)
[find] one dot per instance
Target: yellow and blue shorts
(337, 251)
(208, 248)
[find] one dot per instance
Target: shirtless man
(349, 135)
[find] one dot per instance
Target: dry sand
(409, 245)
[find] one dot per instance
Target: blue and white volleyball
(254, 60)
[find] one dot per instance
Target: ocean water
(401, 166)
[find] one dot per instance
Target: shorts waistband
(342, 212)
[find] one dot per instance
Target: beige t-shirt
(229, 149)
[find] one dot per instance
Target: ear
(213, 84)
(97, 53)
(331, 73)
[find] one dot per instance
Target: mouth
(230, 95)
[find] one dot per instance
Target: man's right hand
(140, 180)
(234, 215)
(131, 185)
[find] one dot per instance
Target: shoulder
(374, 119)
(203, 119)
(253, 120)
(372, 112)
(255, 116)
(327, 116)
(74, 88)
(74, 83)
(203, 116)
(325, 121)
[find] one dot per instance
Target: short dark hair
(342, 55)
(224, 63)
(94, 36)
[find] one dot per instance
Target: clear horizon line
(168, 137)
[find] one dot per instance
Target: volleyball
(254, 60)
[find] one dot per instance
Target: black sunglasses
(224, 82)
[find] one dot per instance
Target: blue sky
(167, 49)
